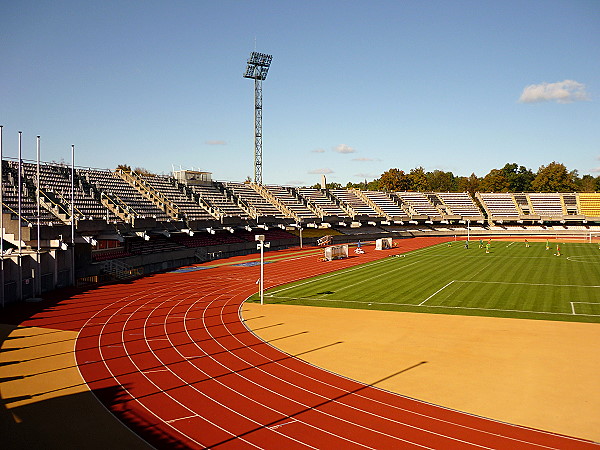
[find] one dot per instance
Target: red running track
(171, 357)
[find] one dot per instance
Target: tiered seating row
(460, 203)
(387, 205)
(546, 204)
(191, 209)
(500, 204)
(114, 186)
(356, 203)
(321, 201)
(590, 204)
(253, 198)
(220, 201)
(419, 202)
(293, 203)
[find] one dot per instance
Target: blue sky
(355, 88)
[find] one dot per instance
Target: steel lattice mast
(257, 69)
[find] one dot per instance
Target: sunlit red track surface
(171, 357)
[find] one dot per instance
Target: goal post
(383, 244)
(336, 252)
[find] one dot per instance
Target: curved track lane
(189, 373)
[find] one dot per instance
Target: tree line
(553, 177)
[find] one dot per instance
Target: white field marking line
(510, 244)
(208, 375)
(333, 300)
(439, 290)
(529, 284)
(345, 271)
(380, 402)
(415, 400)
(582, 303)
(112, 373)
(154, 292)
(342, 419)
(348, 301)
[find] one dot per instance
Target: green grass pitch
(510, 281)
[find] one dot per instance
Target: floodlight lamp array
(258, 66)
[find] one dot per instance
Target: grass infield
(511, 281)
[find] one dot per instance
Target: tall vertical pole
(258, 131)
(38, 274)
(1, 222)
(72, 215)
(20, 233)
(468, 230)
(262, 272)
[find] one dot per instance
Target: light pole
(260, 238)
(468, 230)
(257, 69)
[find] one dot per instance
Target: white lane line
(193, 416)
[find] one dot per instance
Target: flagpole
(72, 215)
(38, 275)
(20, 236)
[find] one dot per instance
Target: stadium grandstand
(126, 223)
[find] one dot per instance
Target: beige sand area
(44, 402)
(536, 373)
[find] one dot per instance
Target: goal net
(336, 252)
(383, 244)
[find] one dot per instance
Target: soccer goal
(383, 244)
(336, 252)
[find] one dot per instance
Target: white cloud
(296, 182)
(318, 150)
(365, 175)
(343, 148)
(567, 91)
(365, 159)
(320, 171)
(596, 170)
(215, 142)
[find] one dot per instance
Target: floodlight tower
(257, 68)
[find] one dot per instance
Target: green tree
(394, 180)
(469, 184)
(554, 178)
(418, 180)
(440, 181)
(495, 181)
(519, 177)
(587, 183)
